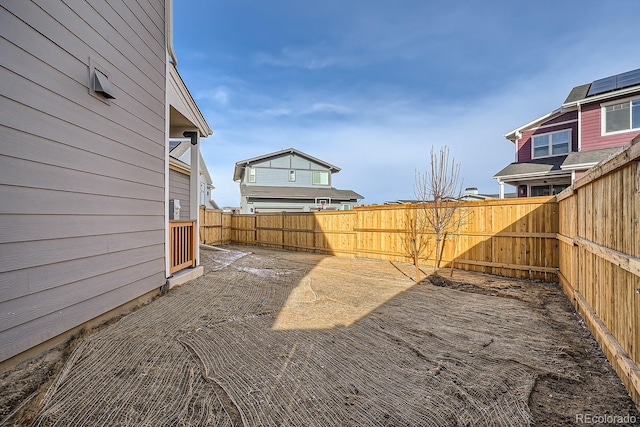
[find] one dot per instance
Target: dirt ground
(270, 337)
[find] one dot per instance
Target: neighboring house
(180, 171)
(592, 124)
(89, 101)
(289, 180)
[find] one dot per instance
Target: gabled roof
(550, 165)
(515, 134)
(268, 192)
(577, 93)
(242, 164)
(532, 167)
(588, 159)
(184, 113)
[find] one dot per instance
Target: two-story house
(289, 180)
(594, 122)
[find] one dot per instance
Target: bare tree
(417, 239)
(439, 191)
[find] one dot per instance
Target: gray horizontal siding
(18, 283)
(80, 29)
(179, 189)
(54, 138)
(26, 228)
(81, 181)
(281, 162)
(289, 161)
(40, 329)
(32, 201)
(280, 178)
(30, 174)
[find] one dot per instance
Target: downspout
(168, 25)
(169, 31)
(579, 126)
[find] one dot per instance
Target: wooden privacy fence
(600, 258)
(511, 237)
(215, 227)
(182, 245)
(588, 239)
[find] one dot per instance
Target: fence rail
(182, 241)
(515, 237)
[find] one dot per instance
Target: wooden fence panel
(270, 230)
(335, 232)
(243, 229)
(215, 226)
(515, 238)
(299, 231)
(599, 227)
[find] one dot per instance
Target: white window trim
(603, 116)
(328, 177)
(551, 144)
(292, 174)
(252, 175)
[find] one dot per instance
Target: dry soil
(269, 337)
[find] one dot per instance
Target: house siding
(524, 143)
(275, 172)
(82, 181)
(179, 189)
(592, 138)
(280, 178)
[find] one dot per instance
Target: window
(547, 190)
(320, 178)
(622, 116)
(203, 193)
(551, 144)
(252, 175)
(292, 176)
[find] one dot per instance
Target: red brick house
(595, 121)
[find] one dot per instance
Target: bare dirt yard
(269, 337)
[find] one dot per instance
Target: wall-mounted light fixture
(193, 135)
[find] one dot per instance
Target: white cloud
(381, 130)
(219, 95)
(326, 107)
(308, 57)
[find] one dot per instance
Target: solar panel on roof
(619, 81)
(629, 78)
(603, 85)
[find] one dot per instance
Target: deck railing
(182, 241)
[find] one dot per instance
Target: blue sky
(370, 85)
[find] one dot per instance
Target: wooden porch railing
(182, 241)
